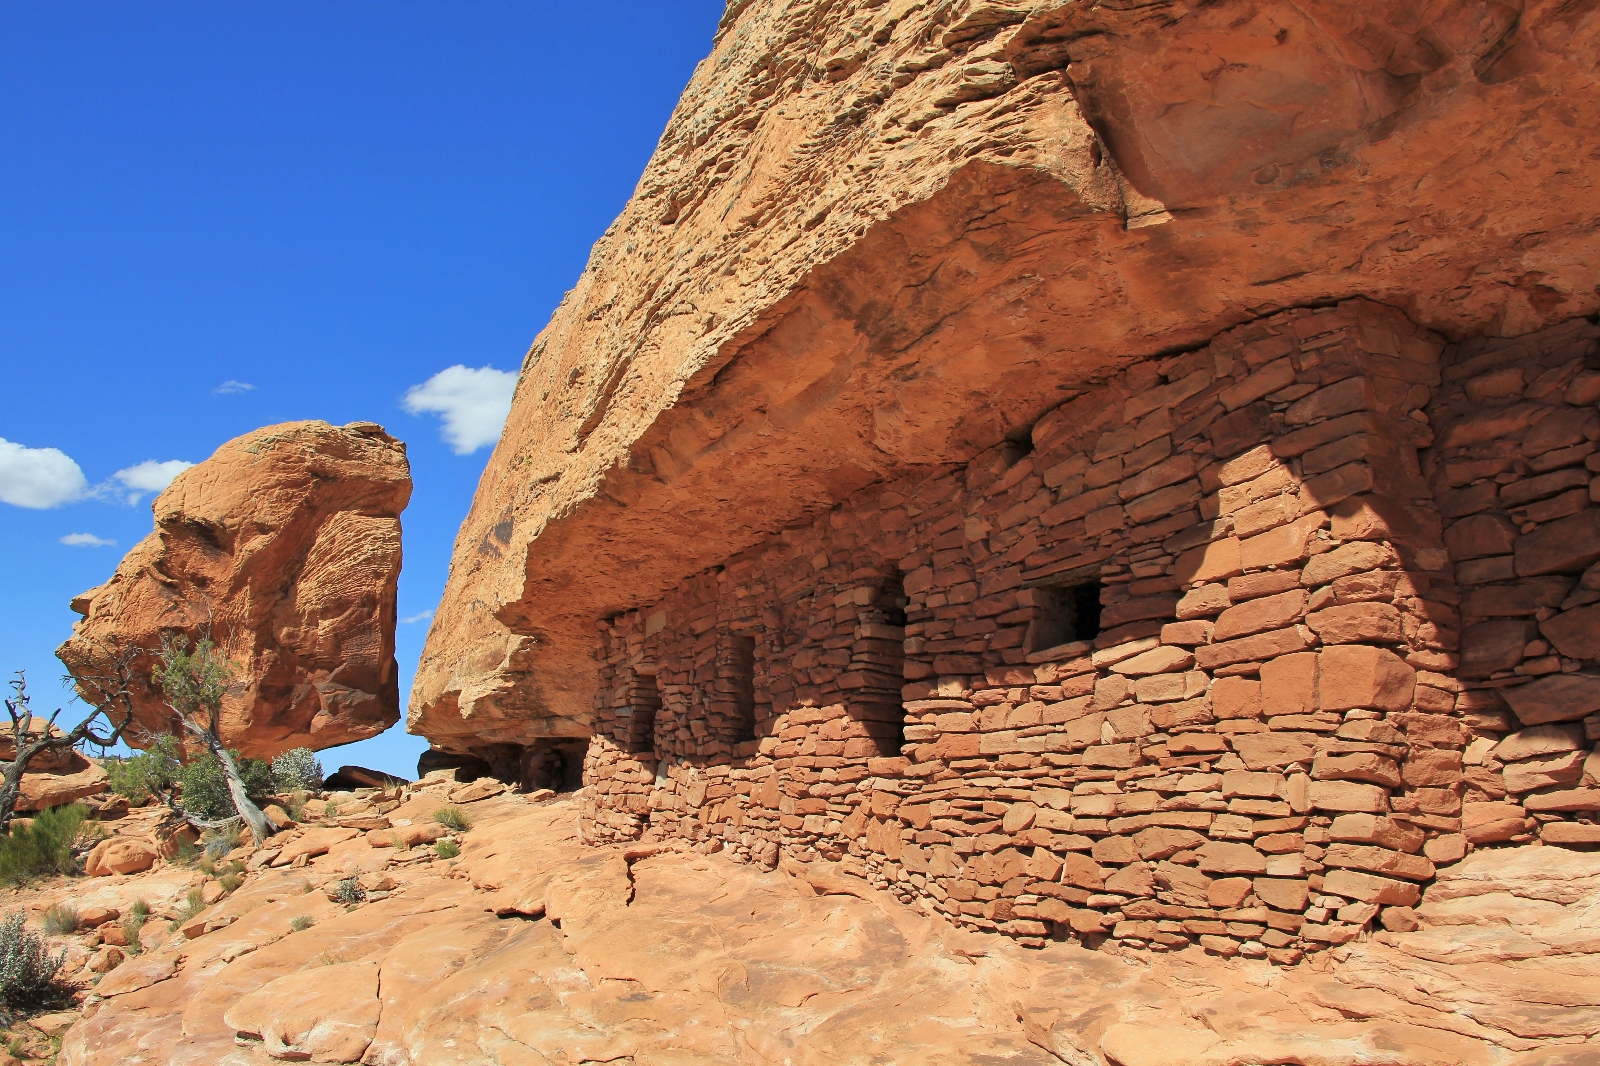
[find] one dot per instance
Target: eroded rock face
(288, 541)
(881, 237)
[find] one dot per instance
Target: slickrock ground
(532, 949)
(877, 236)
(287, 541)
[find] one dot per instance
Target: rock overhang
(826, 279)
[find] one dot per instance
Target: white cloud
(420, 616)
(229, 387)
(472, 403)
(38, 477)
(87, 540)
(150, 475)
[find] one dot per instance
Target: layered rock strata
(880, 236)
(285, 546)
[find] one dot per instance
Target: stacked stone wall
(1262, 746)
(1513, 470)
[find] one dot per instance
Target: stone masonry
(1234, 647)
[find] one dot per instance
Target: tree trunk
(10, 791)
(260, 828)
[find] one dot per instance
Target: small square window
(1070, 613)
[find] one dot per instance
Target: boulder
(352, 777)
(286, 542)
(120, 855)
(76, 778)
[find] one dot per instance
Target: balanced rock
(286, 543)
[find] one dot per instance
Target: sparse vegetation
(133, 923)
(28, 971)
(230, 882)
(349, 891)
(60, 919)
(221, 840)
(446, 849)
(301, 922)
(297, 770)
(193, 904)
(452, 818)
(44, 847)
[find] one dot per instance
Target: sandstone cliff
(287, 543)
(882, 236)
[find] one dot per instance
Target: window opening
(636, 715)
(1069, 614)
(877, 669)
(735, 690)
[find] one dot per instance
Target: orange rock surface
(884, 236)
(287, 542)
(668, 956)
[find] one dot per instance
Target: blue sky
(328, 202)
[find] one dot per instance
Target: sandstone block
(1254, 616)
(1289, 684)
(1357, 766)
(1557, 698)
(1544, 771)
(1349, 796)
(1159, 842)
(1446, 848)
(1210, 562)
(1283, 546)
(1252, 783)
(1226, 893)
(1160, 660)
(1255, 648)
(1341, 398)
(1488, 823)
(1286, 894)
(1575, 633)
(1489, 647)
(1570, 799)
(1274, 751)
(1357, 623)
(1078, 869)
(1351, 676)
(1235, 697)
(1224, 858)
(1569, 833)
(1374, 829)
(1371, 518)
(1478, 536)
(1566, 545)
(1370, 888)
(1540, 740)
(1344, 560)
(1432, 768)
(1019, 816)
(1379, 860)
(1203, 601)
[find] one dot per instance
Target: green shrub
(27, 970)
(452, 818)
(446, 849)
(133, 923)
(229, 882)
(205, 786)
(137, 777)
(301, 922)
(139, 909)
(60, 919)
(193, 904)
(297, 770)
(43, 848)
(349, 891)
